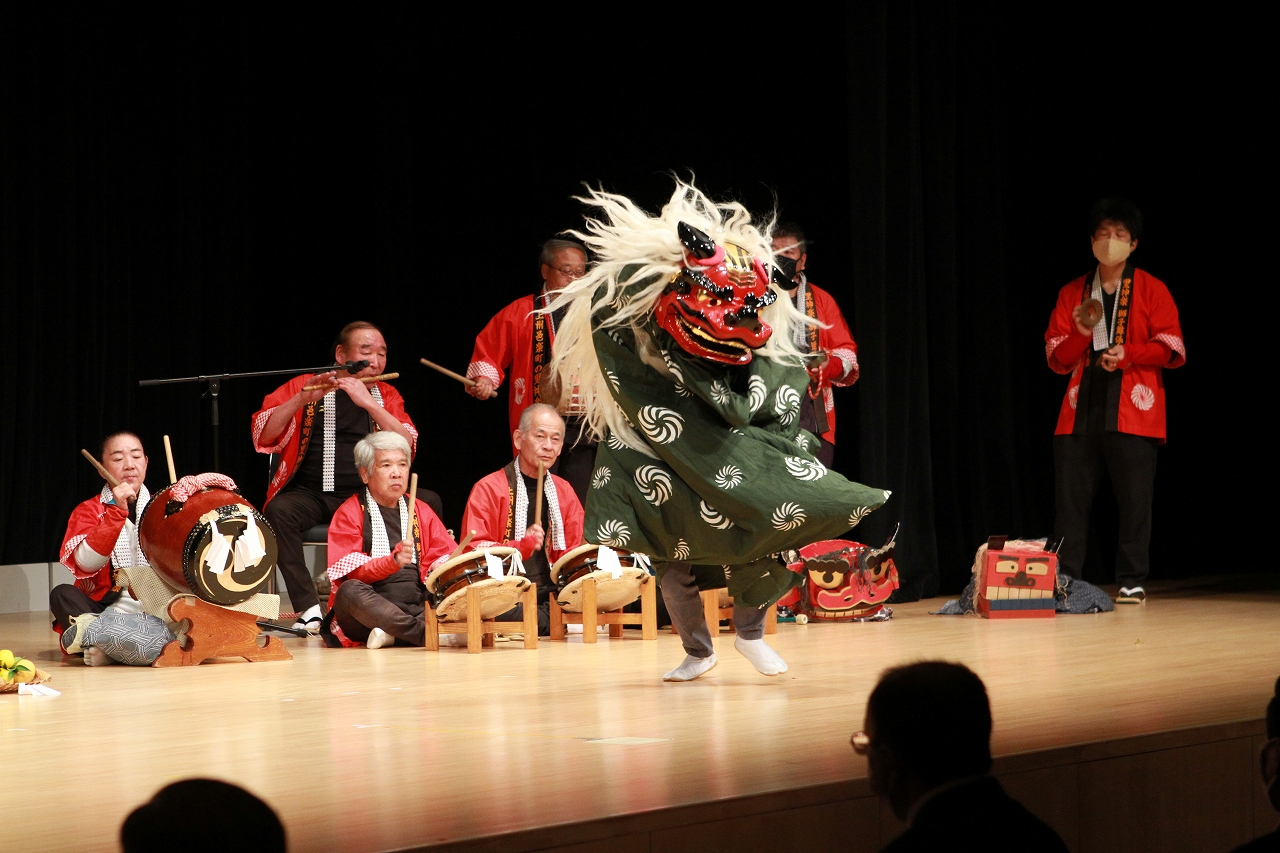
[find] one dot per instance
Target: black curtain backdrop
(209, 190)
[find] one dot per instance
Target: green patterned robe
(734, 481)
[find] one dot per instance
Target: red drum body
(177, 539)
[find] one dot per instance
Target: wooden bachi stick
(462, 545)
(537, 504)
(413, 507)
(458, 376)
(111, 481)
(168, 455)
(381, 377)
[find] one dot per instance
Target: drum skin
(175, 537)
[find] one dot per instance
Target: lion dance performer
(684, 356)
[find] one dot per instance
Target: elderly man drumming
(377, 570)
(501, 507)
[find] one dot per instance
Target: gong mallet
(381, 377)
(106, 475)
(168, 456)
(458, 376)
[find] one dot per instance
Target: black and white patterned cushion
(133, 638)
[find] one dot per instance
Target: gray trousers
(684, 603)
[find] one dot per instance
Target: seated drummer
(102, 539)
(503, 503)
(378, 578)
(314, 432)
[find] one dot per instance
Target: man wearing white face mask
(1112, 415)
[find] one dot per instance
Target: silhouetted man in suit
(927, 741)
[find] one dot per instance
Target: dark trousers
(545, 589)
(292, 513)
(684, 602)
(826, 453)
(67, 601)
(358, 609)
(1130, 461)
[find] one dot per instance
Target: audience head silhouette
(198, 815)
(928, 724)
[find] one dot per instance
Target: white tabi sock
(379, 638)
(691, 668)
(764, 659)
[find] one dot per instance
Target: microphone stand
(215, 386)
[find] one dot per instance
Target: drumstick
(458, 376)
(462, 544)
(168, 455)
(111, 481)
(537, 503)
(365, 379)
(413, 506)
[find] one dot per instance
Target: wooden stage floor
(401, 748)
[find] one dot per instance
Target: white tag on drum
(494, 564)
(607, 561)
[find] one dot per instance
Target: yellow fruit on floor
(24, 671)
(6, 659)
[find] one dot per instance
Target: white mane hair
(622, 236)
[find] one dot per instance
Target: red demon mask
(711, 307)
(844, 580)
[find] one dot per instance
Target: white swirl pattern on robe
(756, 392)
(660, 424)
(719, 392)
(681, 551)
(712, 516)
(728, 476)
(654, 484)
(789, 516)
(786, 404)
(600, 478)
(613, 533)
(805, 469)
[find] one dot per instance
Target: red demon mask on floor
(844, 580)
(711, 307)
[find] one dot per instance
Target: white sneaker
(379, 638)
(691, 668)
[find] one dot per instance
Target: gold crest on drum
(447, 585)
(613, 592)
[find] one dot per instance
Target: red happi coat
(1147, 325)
(102, 522)
(836, 340)
(349, 556)
(510, 341)
(298, 437)
(490, 513)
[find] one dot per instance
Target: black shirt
(405, 585)
(352, 424)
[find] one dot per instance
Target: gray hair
(557, 244)
(527, 416)
(368, 447)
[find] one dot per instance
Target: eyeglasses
(861, 742)
(570, 272)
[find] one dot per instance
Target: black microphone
(354, 366)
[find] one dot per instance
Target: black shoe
(1131, 595)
